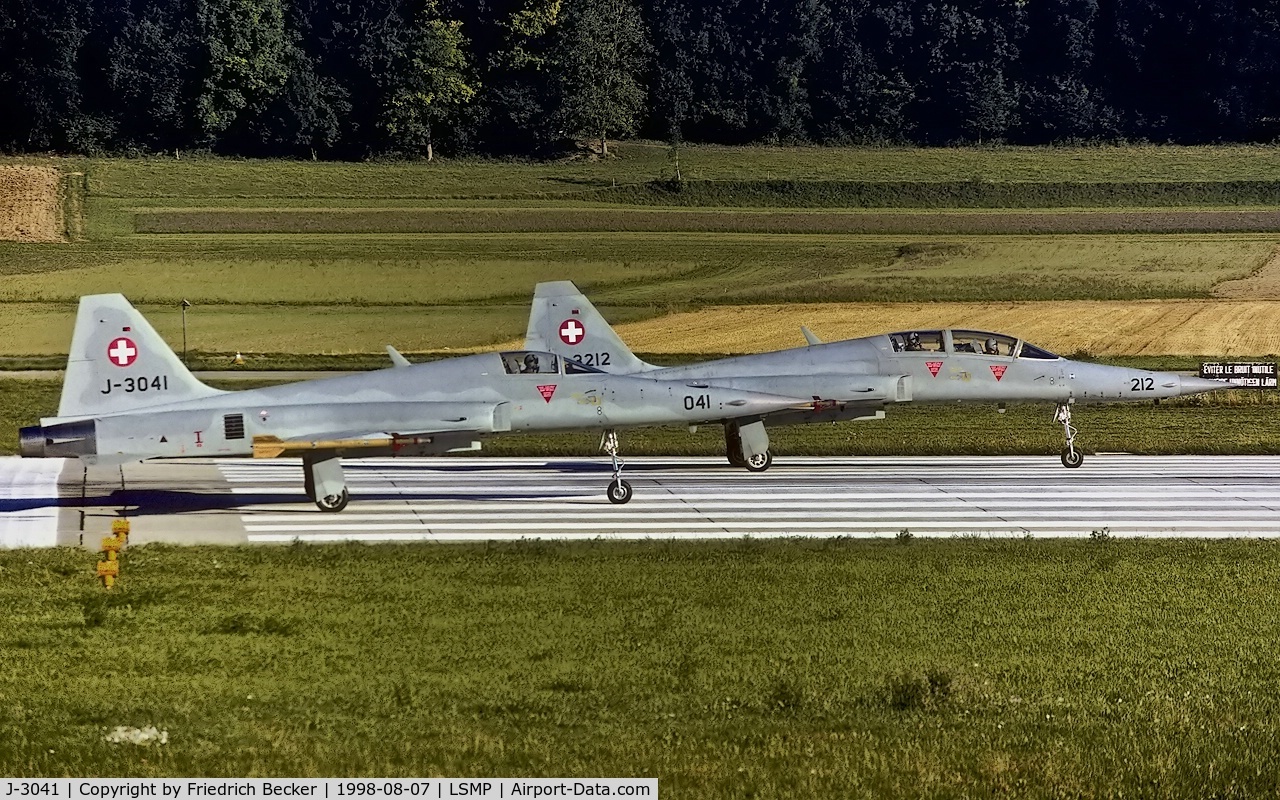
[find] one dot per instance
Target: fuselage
(471, 395)
(942, 366)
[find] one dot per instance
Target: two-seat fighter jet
(127, 397)
(857, 378)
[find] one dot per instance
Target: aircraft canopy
(983, 343)
(536, 362)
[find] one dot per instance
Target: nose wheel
(619, 490)
(1071, 457)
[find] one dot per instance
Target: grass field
(743, 669)
(332, 294)
(1101, 328)
(637, 268)
(364, 289)
(1188, 330)
(643, 162)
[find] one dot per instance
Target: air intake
(233, 426)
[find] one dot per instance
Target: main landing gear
(324, 482)
(1071, 457)
(733, 451)
(619, 490)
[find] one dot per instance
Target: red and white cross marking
(122, 351)
(571, 331)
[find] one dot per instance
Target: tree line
(347, 79)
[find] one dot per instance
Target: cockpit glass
(917, 342)
(1031, 351)
(982, 343)
(527, 363)
(575, 367)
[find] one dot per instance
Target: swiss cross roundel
(122, 351)
(571, 331)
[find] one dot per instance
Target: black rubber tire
(759, 463)
(733, 447)
(334, 506)
(619, 492)
(1069, 461)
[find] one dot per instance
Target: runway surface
(453, 499)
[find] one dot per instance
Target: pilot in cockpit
(992, 347)
(530, 364)
(913, 342)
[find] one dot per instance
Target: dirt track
(570, 220)
(30, 207)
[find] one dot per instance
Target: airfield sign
(1246, 375)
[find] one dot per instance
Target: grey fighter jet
(857, 378)
(127, 397)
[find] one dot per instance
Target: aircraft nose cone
(1190, 384)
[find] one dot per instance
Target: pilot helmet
(531, 361)
(913, 338)
(992, 346)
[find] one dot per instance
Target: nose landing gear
(619, 491)
(1071, 457)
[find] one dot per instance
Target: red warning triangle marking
(546, 391)
(933, 366)
(998, 370)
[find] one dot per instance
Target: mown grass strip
(562, 220)
(803, 669)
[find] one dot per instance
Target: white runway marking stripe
(446, 499)
(28, 517)
(321, 538)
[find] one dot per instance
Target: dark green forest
(352, 79)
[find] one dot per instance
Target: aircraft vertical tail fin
(563, 321)
(118, 362)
